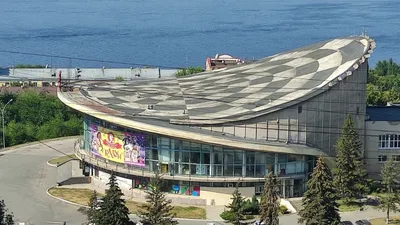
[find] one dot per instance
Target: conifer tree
(158, 209)
(113, 209)
(236, 206)
(269, 206)
(92, 214)
(390, 199)
(319, 201)
(5, 218)
(351, 178)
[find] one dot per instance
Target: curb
(76, 204)
(59, 164)
(63, 200)
(49, 164)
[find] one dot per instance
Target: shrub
(251, 207)
(227, 216)
(283, 209)
(188, 71)
(119, 78)
(23, 66)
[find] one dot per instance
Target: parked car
(346, 223)
(363, 222)
(259, 223)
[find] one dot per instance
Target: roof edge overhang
(190, 135)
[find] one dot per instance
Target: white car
(259, 223)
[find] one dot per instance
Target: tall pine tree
(92, 214)
(236, 206)
(319, 201)
(113, 209)
(5, 218)
(390, 199)
(269, 206)
(351, 178)
(158, 209)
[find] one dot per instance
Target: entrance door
(286, 188)
(259, 189)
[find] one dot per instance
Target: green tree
(35, 116)
(5, 217)
(351, 178)
(113, 209)
(93, 211)
(383, 83)
(387, 67)
(390, 199)
(251, 207)
(269, 206)
(18, 133)
(319, 201)
(157, 209)
(236, 206)
(51, 129)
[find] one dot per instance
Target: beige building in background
(382, 138)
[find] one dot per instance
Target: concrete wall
(94, 73)
(222, 196)
(139, 195)
(372, 151)
(316, 122)
(64, 172)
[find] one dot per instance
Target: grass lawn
(75, 195)
(82, 196)
(62, 159)
(352, 206)
(395, 220)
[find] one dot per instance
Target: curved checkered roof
(236, 93)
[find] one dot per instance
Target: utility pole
(2, 115)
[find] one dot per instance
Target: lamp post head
(10, 100)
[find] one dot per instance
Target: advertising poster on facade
(121, 147)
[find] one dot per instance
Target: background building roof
(383, 113)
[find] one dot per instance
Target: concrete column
(244, 164)
(284, 188)
(211, 161)
(276, 164)
(180, 162)
(291, 188)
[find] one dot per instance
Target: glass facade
(183, 158)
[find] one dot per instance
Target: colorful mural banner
(121, 147)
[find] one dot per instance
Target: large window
(389, 141)
(179, 157)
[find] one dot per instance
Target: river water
(179, 33)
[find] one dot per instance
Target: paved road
(24, 179)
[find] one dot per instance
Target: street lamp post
(2, 115)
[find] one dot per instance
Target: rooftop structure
(222, 61)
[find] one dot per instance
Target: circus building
(208, 131)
